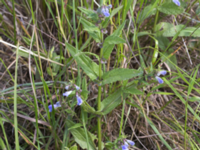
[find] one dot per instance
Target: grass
(47, 45)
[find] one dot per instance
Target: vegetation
(107, 74)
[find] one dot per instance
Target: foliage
(101, 74)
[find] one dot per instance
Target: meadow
(99, 74)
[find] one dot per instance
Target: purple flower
(104, 31)
(177, 2)
(131, 142)
(109, 6)
(159, 80)
(105, 10)
(67, 87)
(162, 72)
(77, 87)
(79, 100)
(126, 144)
(50, 108)
(124, 147)
(67, 93)
(55, 106)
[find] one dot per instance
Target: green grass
(49, 44)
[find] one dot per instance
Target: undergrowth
(107, 74)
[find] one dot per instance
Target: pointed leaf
(113, 40)
(168, 30)
(84, 92)
(80, 137)
(93, 30)
(89, 67)
(119, 29)
(120, 74)
(112, 101)
(77, 125)
(146, 12)
(109, 44)
(170, 8)
(107, 48)
(133, 90)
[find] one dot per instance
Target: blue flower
(124, 147)
(67, 87)
(50, 108)
(109, 6)
(55, 106)
(105, 10)
(159, 80)
(131, 142)
(79, 100)
(162, 72)
(67, 93)
(77, 87)
(126, 144)
(177, 2)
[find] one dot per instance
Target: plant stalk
(99, 103)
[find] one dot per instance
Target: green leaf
(120, 74)
(194, 99)
(114, 40)
(127, 4)
(107, 48)
(119, 29)
(74, 147)
(170, 8)
(142, 33)
(93, 30)
(80, 137)
(2, 145)
(88, 12)
(168, 30)
(198, 10)
(84, 92)
(77, 125)
(114, 11)
(89, 67)
(112, 101)
(163, 93)
(133, 90)
(146, 12)
(87, 108)
(51, 72)
(28, 41)
(109, 44)
(143, 65)
(192, 80)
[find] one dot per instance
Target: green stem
(99, 99)
(15, 39)
(99, 119)
(156, 20)
(122, 116)
(99, 103)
